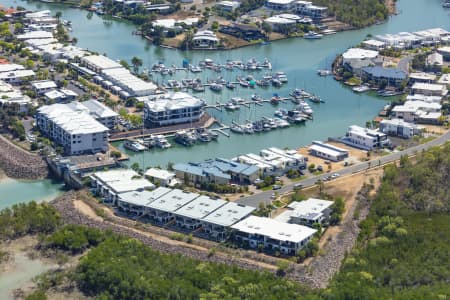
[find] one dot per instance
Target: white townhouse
(364, 138)
(307, 212)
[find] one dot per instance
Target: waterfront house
(283, 5)
(172, 108)
(205, 39)
(400, 128)
(216, 225)
(218, 171)
(283, 23)
(109, 185)
(327, 151)
(445, 52)
(161, 177)
(76, 131)
(162, 209)
(272, 235)
(418, 111)
(365, 138)
(429, 89)
(355, 59)
(425, 98)
(378, 75)
(421, 77)
(308, 212)
(189, 216)
(306, 8)
(243, 31)
(434, 62)
(17, 76)
(372, 44)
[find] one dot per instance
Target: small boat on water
(256, 98)
(231, 106)
(281, 113)
(281, 76)
(313, 35)
(237, 128)
(198, 88)
(281, 123)
(185, 138)
(133, 145)
(361, 88)
(216, 87)
(387, 93)
(248, 128)
(161, 141)
(276, 83)
(275, 99)
(237, 100)
(305, 108)
(324, 72)
(230, 85)
(295, 116)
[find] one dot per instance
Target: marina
(343, 106)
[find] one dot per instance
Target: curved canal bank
(297, 57)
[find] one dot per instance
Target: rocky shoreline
(20, 164)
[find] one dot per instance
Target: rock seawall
(20, 164)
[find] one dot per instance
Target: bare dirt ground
(390, 4)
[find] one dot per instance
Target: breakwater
(20, 164)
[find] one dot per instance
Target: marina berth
(111, 184)
(308, 212)
(272, 234)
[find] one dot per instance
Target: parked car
(335, 175)
(276, 187)
(298, 186)
(257, 181)
(319, 168)
(274, 196)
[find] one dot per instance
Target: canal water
(299, 58)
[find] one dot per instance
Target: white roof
(205, 34)
(429, 87)
(54, 94)
(413, 106)
(229, 214)
(38, 14)
(10, 67)
(35, 35)
(172, 101)
(70, 120)
(279, 20)
(422, 76)
(445, 49)
(123, 180)
(17, 74)
(358, 53)
(40, 42)
(97, 109)
(365, 132)
(420, 97)
(159, 174)
(374, 43)
(200, 207)
(399, 122)
(101, 62)
(323, 149)
(143, 197)
(282, 2)
(44, 84)
(311, 209)
(68, 92)
(123, 78)
(173, 200)
(274, 229)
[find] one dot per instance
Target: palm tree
(58, 15)
(137, 63)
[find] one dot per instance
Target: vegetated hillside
(358, 13)
(404, 247)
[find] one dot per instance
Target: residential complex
(400, 128)
(217, 171)
(364, 138)
(75, 130)
(172, 108)
(327, 151)
(308, 212)
(272, 235)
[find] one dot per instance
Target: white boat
(313, 35)
(237, 100)
(248, 128)
(231, 106)
(161, 141)
(305, 108)
(324, 72)
(237, 128)
(361, 88)
(281, 123)
(281, 76)
(133, 146)
(281, 113)
(216, 87)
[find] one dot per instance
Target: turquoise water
(14, 191)
(298, 58)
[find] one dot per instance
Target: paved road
(264, 197)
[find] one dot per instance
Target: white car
(335, 175)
